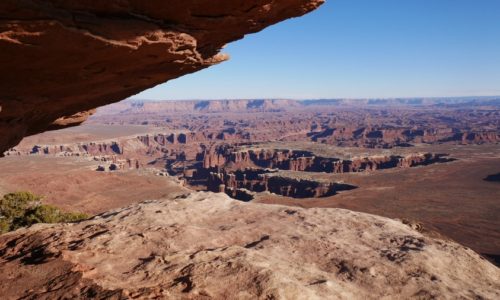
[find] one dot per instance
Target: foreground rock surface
(204, 246)
(62, 59)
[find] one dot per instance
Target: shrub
(24, 209)
(14, 205)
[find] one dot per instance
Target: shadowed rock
(62, 59)
(493, 178)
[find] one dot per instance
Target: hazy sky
(360, 48)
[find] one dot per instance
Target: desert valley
(417, 160)
(307, 176)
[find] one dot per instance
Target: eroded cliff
(62, 59)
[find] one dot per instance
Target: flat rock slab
(208, 246)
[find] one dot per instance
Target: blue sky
(359, 49)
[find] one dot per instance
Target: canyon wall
(129, 107)
(388, 138)
(305, 161)
(257, 180)
(237, 173)
(345, 136)
(62, 59)
(133, 106)
(353, 125)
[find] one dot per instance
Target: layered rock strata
(294, 160)
(354, 124)
(62, 59)
(256, 180)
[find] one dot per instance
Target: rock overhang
(62, 59)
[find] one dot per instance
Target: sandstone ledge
(207, 246)
(61, 59)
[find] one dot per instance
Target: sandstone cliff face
(61, 59)
(388, 138)
(131, 107)
(305, 161)
(208, 246)
(255, 180)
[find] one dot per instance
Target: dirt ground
(73, 184)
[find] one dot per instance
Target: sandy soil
(73, 184)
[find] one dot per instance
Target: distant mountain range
(451, 101)
(132, 106)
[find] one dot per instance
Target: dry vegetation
(21, 209)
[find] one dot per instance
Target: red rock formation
(237, 121)
(61, 59)
(79, 149)
(213, 160)
(304, 161)
(480, 138)
(380, 137)
(256, 180)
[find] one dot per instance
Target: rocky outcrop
(100, 148)
(207, 246)
(305, 161)
(111, 148)
(402, 137)
(230, 170)
(257, 180)
(61, 59)
(134, 145)
(250, 179)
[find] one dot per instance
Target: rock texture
(207, 246)
(305, 161)
(61, 59)
(257, 180)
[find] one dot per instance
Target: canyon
(230, 199)
(306, 161)
(435, 188)
(384, 124)
(237, 184)
(232, 171)
(228, 168)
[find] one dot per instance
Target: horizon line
(317, 99)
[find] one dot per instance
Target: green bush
(24, 209)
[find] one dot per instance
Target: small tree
(14, 205)
(25, 209)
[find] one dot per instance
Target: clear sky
(359, 49)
